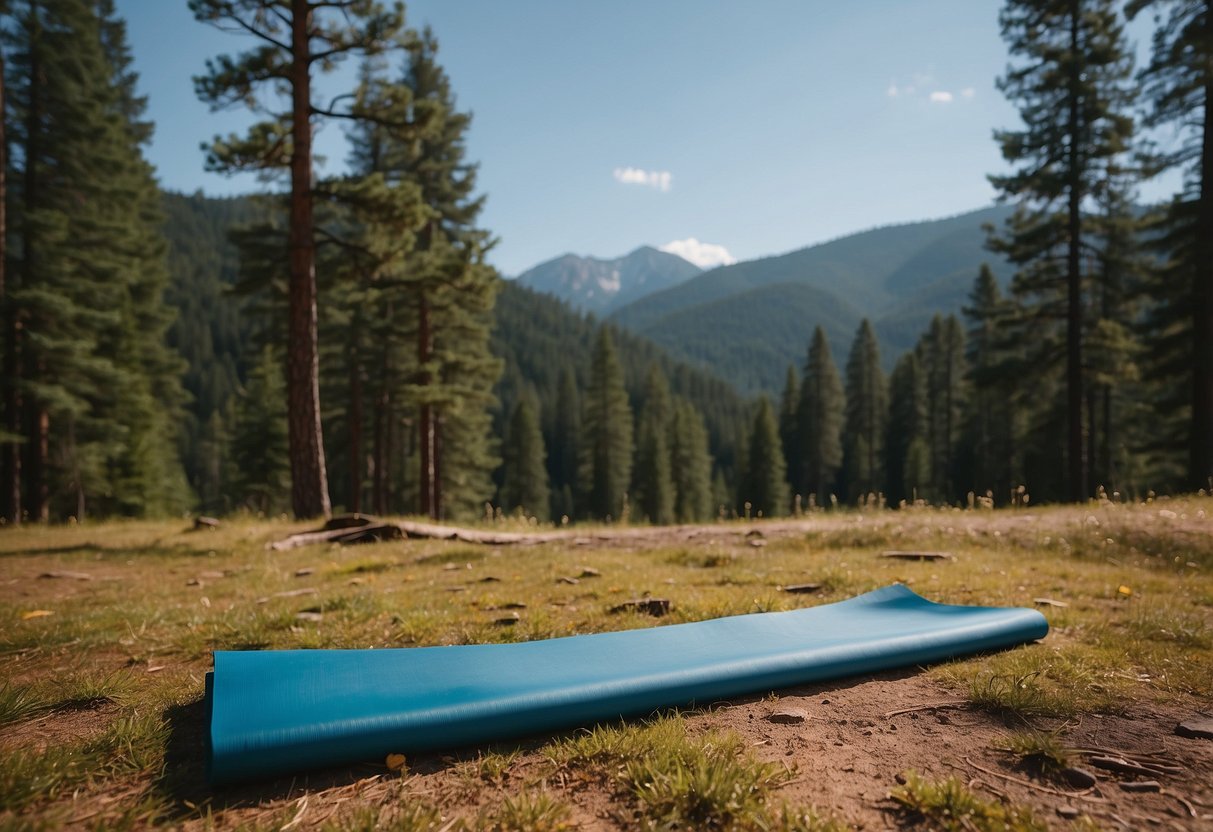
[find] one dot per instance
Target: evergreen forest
(340, 342)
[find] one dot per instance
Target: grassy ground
(106, 632)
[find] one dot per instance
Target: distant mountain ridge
(749, 320)
(597, 285)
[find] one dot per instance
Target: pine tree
(691, 464)
(1179, 83)
(294, 39)
(907, 458)
(766, 483)
(789, 427)
(455, 292)
(524, 484)
(89, 379)
(992, 431)
(866, 415)
(605, 461)
(822, 406)
(566, 433)
(1072, 92)
(260, 475)
(652, 487)
(941, 354)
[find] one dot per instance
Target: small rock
(1067, 812)
(792, 716)
(757, 542)
(193, 582)
(1141, 786)
(206, 523)
(589, 572)
(304, 572)
(900, 778)
(308, 615)
(509, 620)
(754, 533)
(63, 573)
(513, 605)
(655, 607)
(918, 555)
(450, 567)
(848, 767)
(802, 589)
(1048, 602)
(825, 701)
(569, 581)
(295, 593)
(1197, 728)
(1078, 778)
(490, 579)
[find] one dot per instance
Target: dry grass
(126, 650)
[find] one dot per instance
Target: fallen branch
(1083, 795)
(934, 706)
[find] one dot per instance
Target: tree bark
(425, 421)
(10, 455)
(1076, 486)
(1200, 461)
(35, 417)
(309, 480)
(355, 428)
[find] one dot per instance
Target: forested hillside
(342, 341)
(898, 277)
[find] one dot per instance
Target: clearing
(106, 631)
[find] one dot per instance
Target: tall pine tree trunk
(426, 427)
(37, 419)
(10, 455)
(1200, 464)
(1076, 488)
(355, 428)
(309, 481)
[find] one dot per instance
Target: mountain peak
(599, 285)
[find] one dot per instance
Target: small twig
(1187, 803)
(956, 704)
(1083, 795)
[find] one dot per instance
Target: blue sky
(599, 126)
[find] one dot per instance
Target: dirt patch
(64, 726)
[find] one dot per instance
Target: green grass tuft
(948, 805)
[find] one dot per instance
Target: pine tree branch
(252, 30)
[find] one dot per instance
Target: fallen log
(353, 529)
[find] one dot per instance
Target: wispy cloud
(968, 92)
(941, 97)
(703, 255)
(659, 179)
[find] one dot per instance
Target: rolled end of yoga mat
(278, 712)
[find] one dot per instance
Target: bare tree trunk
(355, 428)
(10, 456)
(35, 417)
(377, 501)
(309, 480)
(426, 428)
(1200, 463)
(1076, 486)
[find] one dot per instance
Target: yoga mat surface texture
(282, 711)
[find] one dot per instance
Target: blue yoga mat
(283, 711)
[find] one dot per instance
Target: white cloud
(703, 255)
(968, 92)
(892, 91)
(659, 179)
(941, 97)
